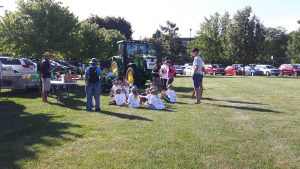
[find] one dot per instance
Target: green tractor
(134, 61)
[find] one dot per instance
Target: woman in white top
(133, 100)
(164, 74)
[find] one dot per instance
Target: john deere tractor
(134, 61)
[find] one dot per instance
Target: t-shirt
(120, 99)
(172, 72)
(172, 95)
(133, 102)
(87, 72)
(45, 69)
(164, 72)
(156, 102)
(198, 61)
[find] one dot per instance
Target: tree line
(44, 25)
(244, 39)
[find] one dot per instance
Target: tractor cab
(135, 61)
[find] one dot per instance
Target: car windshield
(136, 48)
(63, 63)
(27, 61)
(10, 61)
(177, 67)
(296, 66)
(270, 67)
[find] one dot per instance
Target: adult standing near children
(164, 74)
(171, 73)
(155, 75)
(45, 72)
(198, 69)
(92, 87)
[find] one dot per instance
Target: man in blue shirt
(92, 87)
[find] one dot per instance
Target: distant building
(186, 40)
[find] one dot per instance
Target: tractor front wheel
(131, 76)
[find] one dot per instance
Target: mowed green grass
(243, 122)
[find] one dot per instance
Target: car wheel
(281, 73)
(295, 74)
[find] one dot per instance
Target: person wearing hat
(197, 72)
(45, 75)
(92, 87)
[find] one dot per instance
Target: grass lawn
(243, 122)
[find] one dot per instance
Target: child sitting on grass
(154, 102)
(133, 99)
(170, 95)
(120, 98)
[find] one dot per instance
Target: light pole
(190, 40)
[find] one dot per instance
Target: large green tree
(38, 26)
(247, 36)
(114, 23)
(294, 46)
(212, 39)
(275, 47)
(97, 42)
(166, 42)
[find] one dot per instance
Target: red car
(233, 70)
(289, 69)
(214, 69)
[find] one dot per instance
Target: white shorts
(46, 84)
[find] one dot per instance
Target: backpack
(93, 75)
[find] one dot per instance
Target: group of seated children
(121, 95)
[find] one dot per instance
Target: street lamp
(190, 40)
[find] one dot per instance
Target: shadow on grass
(245, 108)
(125, 116)
(232, 101)
(26, 94)
(20, 131)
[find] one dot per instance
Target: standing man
(45, 71)
(198, 68)
(92, 87)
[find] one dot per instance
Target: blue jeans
(92, 90)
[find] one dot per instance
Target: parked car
(268, 70)
(238, 66)
(179, 69)
(251, 65)
(289, 69)
(188, 70)
(188, 64)
(251, 71)
(19, 65)
(214, 69)
(18, 73)
(233, 70)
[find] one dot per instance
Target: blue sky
(146, 16)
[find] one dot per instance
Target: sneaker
(98, 110)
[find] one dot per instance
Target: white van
(18, 73)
